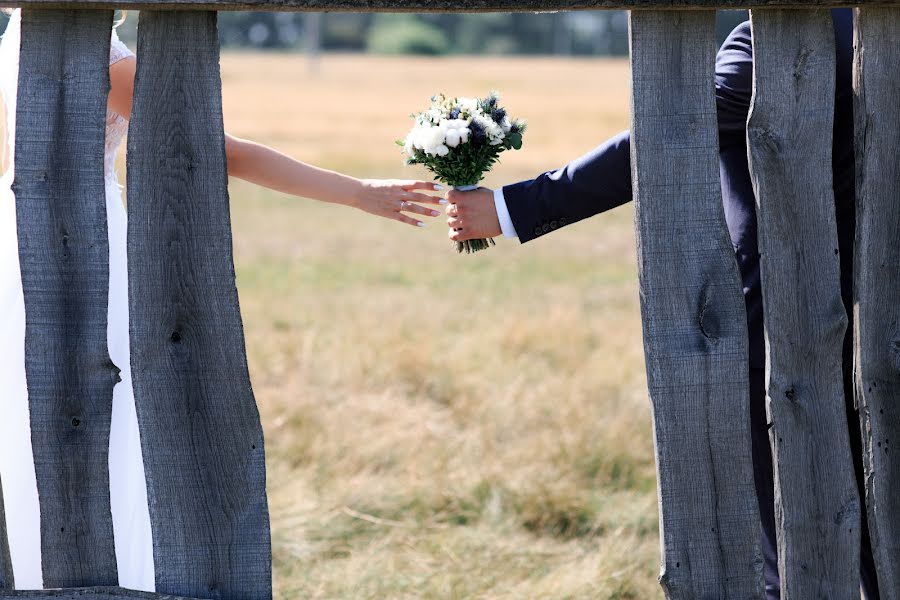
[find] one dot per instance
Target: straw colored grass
(442, 426)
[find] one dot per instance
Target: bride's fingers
(452, 211)
(421, 185)
(421, 210)
(423, 198)
(454, 223)
(408, 220)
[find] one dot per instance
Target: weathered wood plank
(695, 333)
(200, 430)
(877, 285)
(92, 593)
(789, 132)
(7, 581)
(64, 255)
(441, 5)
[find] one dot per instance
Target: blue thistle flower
(479, 136)
(454, 114)
(498, 114)
(489, 104)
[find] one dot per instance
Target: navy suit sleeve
(601, 180)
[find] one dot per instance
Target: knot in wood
(801, 65)
(765, 138)
(893, 354)
(848, 512)
(707, 319)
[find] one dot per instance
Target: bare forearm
(269, 168)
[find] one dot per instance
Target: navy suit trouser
(765, 487)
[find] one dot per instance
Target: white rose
(412, 140)
(433, 139)
(457, 123)
(442, 150)
(469, 105)
(453, 138)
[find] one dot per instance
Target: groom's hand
(472, 215)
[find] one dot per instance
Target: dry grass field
(442, 426)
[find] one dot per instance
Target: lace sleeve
(117, 50)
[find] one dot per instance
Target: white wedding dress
(128, 492)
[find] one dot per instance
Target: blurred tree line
(585, 33)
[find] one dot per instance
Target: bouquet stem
(476, 245)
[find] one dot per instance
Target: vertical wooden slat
(93, 593)
(877, 285)
(200, 430)
(695, 332)
(7, 581)
(64, 254)
(817, 507)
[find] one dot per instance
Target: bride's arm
(4, 139)
(269, 168)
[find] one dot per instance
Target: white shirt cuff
(506, 224)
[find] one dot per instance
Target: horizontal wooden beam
(441, 5)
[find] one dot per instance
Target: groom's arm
(594, 183)
(601, 179)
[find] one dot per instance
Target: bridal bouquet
(461, 139)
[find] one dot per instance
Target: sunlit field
(442, 426)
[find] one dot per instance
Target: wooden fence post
(695, 331)
(877, 285)
(64, 255)
(93, 593)
(817, 507)
(200, 430)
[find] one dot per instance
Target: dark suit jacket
(601, 179)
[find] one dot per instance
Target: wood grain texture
(877, 285)
(64, 255)
(200, 429)
(441, 5)
(7, 581)
(92, 593)
(695, 332)
(789, 132)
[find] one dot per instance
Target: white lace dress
(128, 492)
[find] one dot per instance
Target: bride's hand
(391, 198)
